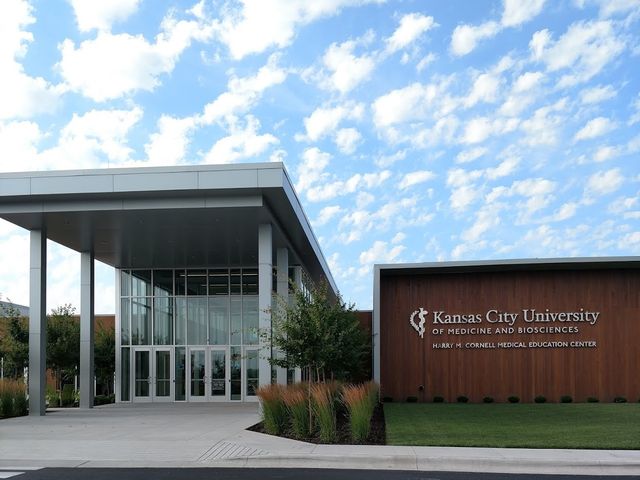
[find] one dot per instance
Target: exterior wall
(452, 363)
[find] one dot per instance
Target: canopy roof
(166, 217)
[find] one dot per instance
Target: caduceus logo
(418, 327)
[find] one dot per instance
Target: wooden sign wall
(595, 352)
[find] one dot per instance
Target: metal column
(265, 286)
(87, 370)
(38, 323)
(282, 289)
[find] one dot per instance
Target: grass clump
(297, 402)
(274, 410)
(323, 397)
(360, 401)
(540, 399)
(13, 398)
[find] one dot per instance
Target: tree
(317, 334)
(63, 343)
(105, 358)
(15, 344)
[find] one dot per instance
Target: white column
(282, 289)
(265, 281)
(297, 280)
(87, 370)
(38, 323)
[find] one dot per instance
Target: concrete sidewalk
(203, 435)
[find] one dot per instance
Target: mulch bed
(377, 436)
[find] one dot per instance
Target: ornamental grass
(13, 398)
(324, 410)
(360, 401)
(274, 410)
(296, 400)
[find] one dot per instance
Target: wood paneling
(606, 371)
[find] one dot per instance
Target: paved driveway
(141, 434)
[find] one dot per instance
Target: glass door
(251, 371)
(235, 373)
(142, 375)
(197, 375)
(163, 384)
(218, 390)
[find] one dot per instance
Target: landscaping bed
(377, 436)
(549, 425)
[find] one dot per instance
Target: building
(524, 328)
(198, 252)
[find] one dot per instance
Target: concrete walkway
(201, 435)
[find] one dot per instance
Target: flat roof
(523, 264)
(179, 216)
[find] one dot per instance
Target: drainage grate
(227, 450)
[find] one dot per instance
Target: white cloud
(426, 61)
(414, 178)
(477, 130)
(465, 37)
(257, 25)
(405, 104)
(604, 182)
(380, 253)
(470, 155)
(21, 96)
(243, 92)
(544, 127)
(311, 169)
(585, 48)
(486, 219)
(606, 152)
(566, 211)
(169, 144)
(18, 146)
(331, 189)
(485, 89)
(594, 128)
(517, 12)
(412, 26)
(328, 213)
(527, 81)
(92, 14)
(398, 238)
(241, 143)
(597, 94)
(347, 140)
(93, 139)
(347, 70)
(324, 121)
(111, 66)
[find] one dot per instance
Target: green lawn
(581, 425)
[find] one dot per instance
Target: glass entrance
(197, 374)
(163, 383)
(235, 374)
(218, 391)
(142, 375)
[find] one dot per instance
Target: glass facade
(202, 322)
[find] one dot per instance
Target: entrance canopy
(187, 216)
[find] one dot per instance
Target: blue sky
(413, 130)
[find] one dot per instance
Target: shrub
(438, 399)
(619, 400)
(104, 399)
(360, 405)
(513, 399)
(592, 400)
(274, 411)
(68, 397)
(540, 399)
(13, 398)
(462, 399)
(487, 399)
(297, 404)
(566, 399)
(412, 399)
(387, 399)
(323, 397)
